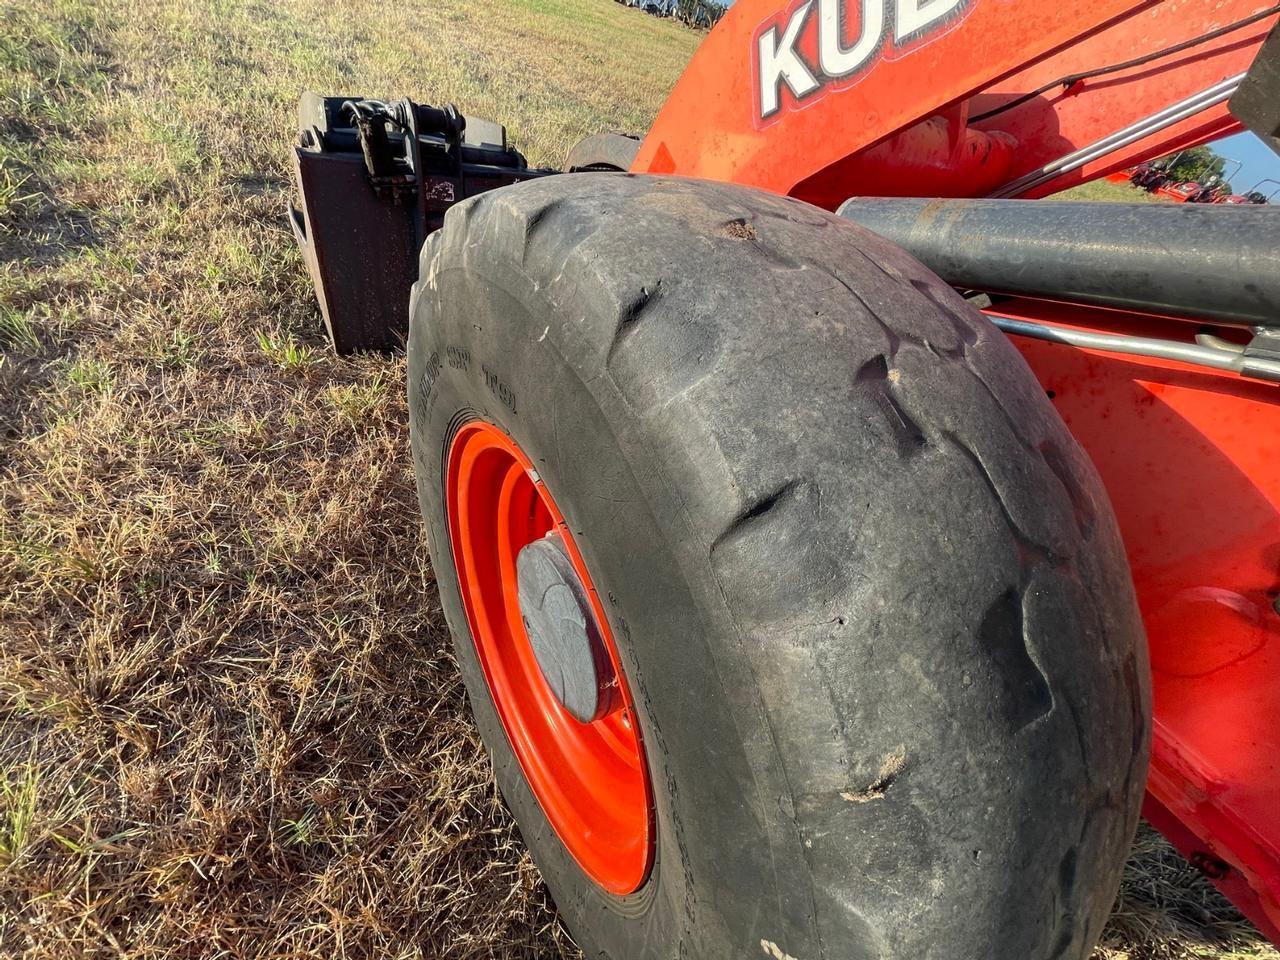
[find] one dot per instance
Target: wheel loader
(843, 544)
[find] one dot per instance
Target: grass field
(1106, 191)
(230, 725)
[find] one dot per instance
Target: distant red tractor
(837, 575)
(1255, 194)
(1183, 191)
(1210, 188)
(1153, 174)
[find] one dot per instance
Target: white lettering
(914, 15)
(834, 59)
(779, 62)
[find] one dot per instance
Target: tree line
(694, 13)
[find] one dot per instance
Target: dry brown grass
(1168, 911)
(229, 721)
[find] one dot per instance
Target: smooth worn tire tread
(893, 578)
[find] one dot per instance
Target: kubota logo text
(786, 52)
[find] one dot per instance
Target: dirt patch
(739, 230)
(893, 765)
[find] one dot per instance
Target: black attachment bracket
(1256, 103)
(374, 181)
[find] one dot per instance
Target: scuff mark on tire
(890, 769)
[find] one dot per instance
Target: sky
(1256, 158)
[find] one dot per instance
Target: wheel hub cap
(562, 630)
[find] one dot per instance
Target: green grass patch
(19, 795)
(1108, 192)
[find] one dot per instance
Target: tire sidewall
(495, 354)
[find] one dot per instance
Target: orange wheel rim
(589, 778)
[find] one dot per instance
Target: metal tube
(1118, 343)
(1229, 356)
(1174, 113)
(1207, 262)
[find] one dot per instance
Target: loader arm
(933, 107)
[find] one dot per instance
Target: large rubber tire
(869, 593)
(603, 151)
